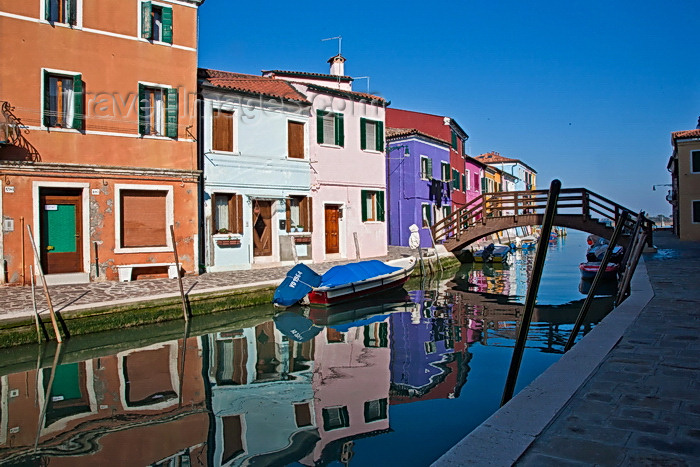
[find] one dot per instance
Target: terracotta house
(106, 161)
(684, 165)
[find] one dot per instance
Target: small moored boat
(342, 283)
(590, 269)
(495, 253)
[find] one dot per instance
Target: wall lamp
(406, 153)
(653, 187)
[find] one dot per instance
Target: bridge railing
(578, 201)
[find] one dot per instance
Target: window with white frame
(427, 214)
(335, 418)
(156, 22)
(466, 180)
(426, 168)
(143, 218)
(371, 135)
(227, 213)
(445, 174)
(376, 410)
(330, 128)
(696, 211)
(695, 162)
(63, 100)
(372, 205)
(61, 11)
(158, 111)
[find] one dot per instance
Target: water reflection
(309, 386)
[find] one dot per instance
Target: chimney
(698, 125)
(337, 65)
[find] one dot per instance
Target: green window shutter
(339, 130)
(171, 113)
(168, 25)
(79, 113)
(363, 133)
(454, 140)
(363, 200)
(380, 136)
(47, 10)
(464, 182)
(47, 100)
(146, 30)
(430, 168)
(455, 179)
(319, 126)
(142, 110)
(380, 206)
(72, 12)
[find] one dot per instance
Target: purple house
(418, 183)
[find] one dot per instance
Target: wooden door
(332, 215)
(61, 243)
(262, 228)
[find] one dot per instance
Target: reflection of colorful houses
(424, 363)
(417, 191)
(152, 397)
(261, 397)
(351, 389)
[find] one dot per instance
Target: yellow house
(684, 165)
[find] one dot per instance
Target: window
(695, 161)
(158, 111)
(330, 128)
(295, 139)
(302, 414)
(426, 210)
(60, 11)
(299, 213)
(445, 172)
(143, 218)
(430, 347)
(696, 212)
(335, 417)
(475, 183)
(375, 410)
(454, 140)
(426, 168)
(465, 179)
(156, 22)
(371, 135)
(464, 147)
(63, 100)
(446, 211)
(372, 206)
(455, 179)
(227, 213)
(222, 130)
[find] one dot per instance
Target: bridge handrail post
(598, 276)
(585, 206)
(483, 209)
(533, 287)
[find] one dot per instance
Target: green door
(61, 240)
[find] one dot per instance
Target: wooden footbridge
(577, 208)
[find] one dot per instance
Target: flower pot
(228, 242)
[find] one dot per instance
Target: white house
(254, 151)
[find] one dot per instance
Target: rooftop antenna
(364, 77)
(340, 42)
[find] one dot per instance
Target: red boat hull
(322, 298)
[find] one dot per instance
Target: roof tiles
(251, 84)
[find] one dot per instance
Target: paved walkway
(628, 394)
(17, 301)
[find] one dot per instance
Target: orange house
(97, 149)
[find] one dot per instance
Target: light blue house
(253, 149)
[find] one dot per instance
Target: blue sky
(584, 91)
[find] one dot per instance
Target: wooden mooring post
(37, 260)
(179, 276)
(533, 287)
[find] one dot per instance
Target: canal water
(395, 381)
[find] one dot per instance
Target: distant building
(525, 176)
(461, 174)
(684, 165)
(417, 192)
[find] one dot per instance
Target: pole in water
(532, 290)
(37, 261)
(179, 276)
(596, 280)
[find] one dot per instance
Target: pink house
(346, 155)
